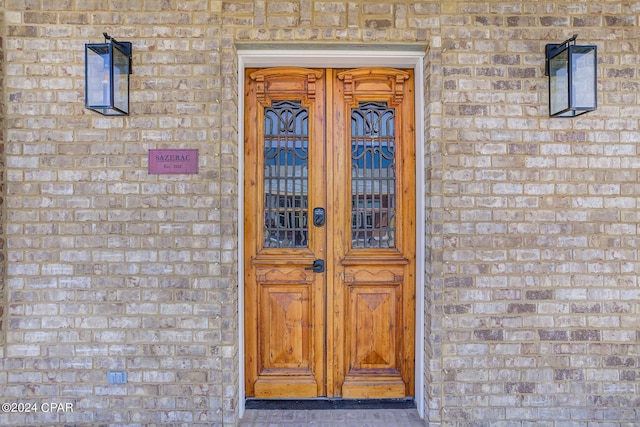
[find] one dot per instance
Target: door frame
(261, 55)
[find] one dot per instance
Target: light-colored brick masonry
(532, 248)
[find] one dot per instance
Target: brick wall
(3, 258)
(531, 288)
(111, 268)
(539, 305)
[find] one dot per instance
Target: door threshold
(329, 404)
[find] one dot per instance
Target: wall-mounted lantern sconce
(107, 69)
(573, 75)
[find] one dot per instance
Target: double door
(329, 233)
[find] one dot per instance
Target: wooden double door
(329, 233)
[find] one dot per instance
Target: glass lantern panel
(98, 76)
(559, 82)
(120, 80)
(583, 70)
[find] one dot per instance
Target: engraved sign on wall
(173, 161)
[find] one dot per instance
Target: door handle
(318, 266)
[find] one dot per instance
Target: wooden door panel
(375, 252)
(286, 315)
(284, 325)
(284, 180)
(374, 328)
(374, 325)
(285, 319)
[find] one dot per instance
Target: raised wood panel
(285, 386)
(373, 328)
(280, 82)
(378, 387)
(288, 343)
(285, 317)
(286, 273)
(369, 82)
(373, 275)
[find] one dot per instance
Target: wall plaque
(173, 161)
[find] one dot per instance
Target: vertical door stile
(318, 195)
(339, 202)
(251, 178)
(336, 185)
(332, 166)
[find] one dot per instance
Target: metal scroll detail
(286, 171)
(373, 176)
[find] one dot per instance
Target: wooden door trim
(405, 56)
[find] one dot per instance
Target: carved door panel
(329, 233)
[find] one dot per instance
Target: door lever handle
(318, 266)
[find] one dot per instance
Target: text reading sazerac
(173, 157)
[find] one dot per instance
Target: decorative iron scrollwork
(286, 170)
(373, 176)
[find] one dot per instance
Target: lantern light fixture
(573, 76)
(107, 70)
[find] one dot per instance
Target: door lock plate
(318, 266)
(318, 217)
